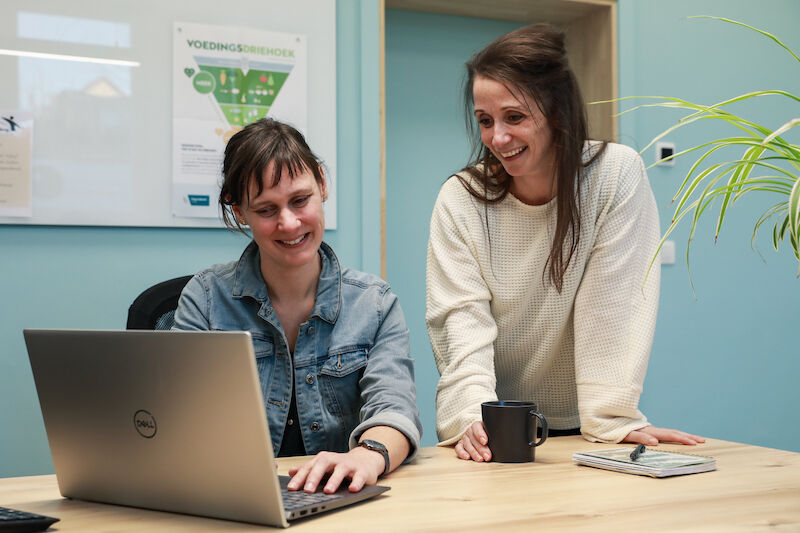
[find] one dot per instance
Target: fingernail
(309, 487)
(486, 456)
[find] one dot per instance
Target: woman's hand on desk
(474, 444)
(360, 465)
(652, 435)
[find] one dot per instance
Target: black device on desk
(13, 521)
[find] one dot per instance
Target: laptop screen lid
(165, 420)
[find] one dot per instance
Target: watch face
(373, 445)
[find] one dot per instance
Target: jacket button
(310, 330)
(310, 379)
(314, 426)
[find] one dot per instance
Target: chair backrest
(155, 307)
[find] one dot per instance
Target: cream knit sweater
(498, 327)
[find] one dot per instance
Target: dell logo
(145, 424)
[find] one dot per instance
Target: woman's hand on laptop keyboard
(360, 465)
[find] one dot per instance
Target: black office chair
(155, 307)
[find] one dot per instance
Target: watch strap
(377, 447)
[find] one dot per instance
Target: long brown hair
(533, 60)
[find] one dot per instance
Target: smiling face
(517, 133)
(286, 220)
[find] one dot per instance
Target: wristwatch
(376, 446)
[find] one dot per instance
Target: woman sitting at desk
(538, 251)
(331, 343)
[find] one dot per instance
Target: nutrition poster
(223, 79)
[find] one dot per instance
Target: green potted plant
(768, 163)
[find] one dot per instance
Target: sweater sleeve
(459, 319)
(616, 307)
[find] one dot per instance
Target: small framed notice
(16, 145)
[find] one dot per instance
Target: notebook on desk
(165, 420)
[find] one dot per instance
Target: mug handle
(543, 420)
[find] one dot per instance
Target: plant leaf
(766, 215)
(775, 236)
(762, 32)
(784, 227)
(789, 125)
(794, 216)
(740, 173)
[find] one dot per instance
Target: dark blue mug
(511, 428)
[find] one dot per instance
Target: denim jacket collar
(249, 282)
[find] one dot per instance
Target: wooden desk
(754, 489)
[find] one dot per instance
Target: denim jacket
(352, 368)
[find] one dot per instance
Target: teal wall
(73, 277)
(723, 364)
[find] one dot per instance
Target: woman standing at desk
(538, 250)
(331, 343)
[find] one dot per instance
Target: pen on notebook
(639, 450)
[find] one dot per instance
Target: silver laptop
(164, 420)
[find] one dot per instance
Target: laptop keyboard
(297, 499)
(293, 499)
(15, 521)
(299, 504)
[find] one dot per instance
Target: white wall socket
(664, 150)
(668, 253)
